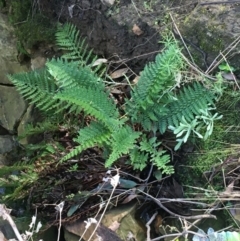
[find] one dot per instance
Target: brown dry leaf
(116, 91)
(157, 223)
(118, 73)
(99, 61)
(129, 198)
(2, 237)
(135, 81)
(229, 188)
(136, 30)
(114, 226)
(108, 2)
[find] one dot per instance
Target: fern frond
(69, 75)
(36, 86)
(39, 128)
(161, 161)
(68, 39)
(123, 140)
(90, 136)
(94, 103)
(155, 81)
(156, 156)
(138, 159)
(190, 101)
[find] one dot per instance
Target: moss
(219, 146)
(2, 4)
(210, 42)
(30, 27)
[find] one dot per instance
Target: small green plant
(148, 5)
(73, 85)
(226, 67)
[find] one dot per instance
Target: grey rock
(26, 119)
(6, 144)
(12, 107)
(8, 57)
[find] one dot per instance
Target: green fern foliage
(71, 84)
(93, 102)
(75, 48)
(89, 136)
(38, 87)
(40, 127)
(149, 150)
(155, 83)
(68, 39)
(123, 140)
(156, 103)
(69, 75)
(191, 101)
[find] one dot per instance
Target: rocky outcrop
(12, 106)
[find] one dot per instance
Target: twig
(219, 2)
(105, 209)
(59, 208)
(5, 214)
(182, 200)
(213, 65)
(177, 234)
(230, 70)
(185, 46)
(135, 8)
(174, 214)
(148, 225)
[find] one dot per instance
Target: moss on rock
(31, 27)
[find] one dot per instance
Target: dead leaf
(229, 189)
(157, 223)
(135, 81)
(99, 61)
(118, 73)
(228, 76)
(114, 226)
(129, 198)
(116, 91)
(136, 30)
(2, 237)
(108, 2)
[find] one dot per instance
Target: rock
(26, 119)
(12, 107)
(121, 219)
(73, 231)
(8, 57)
(125, 216)
(6, 230)
(38, 62)
(6, 144)
(217, 27)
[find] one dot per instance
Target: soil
(108, 29)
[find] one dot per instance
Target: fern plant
(71, 84)
(160, 101)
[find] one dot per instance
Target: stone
(8, 48)
(73, 231)
(6, 144)
(26, 119)
(124, 215)
(12, 107)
